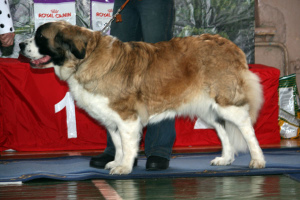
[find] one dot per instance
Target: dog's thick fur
(127, 85)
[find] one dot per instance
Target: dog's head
(55, 43)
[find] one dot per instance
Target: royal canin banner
(101, 14)
(54, 10)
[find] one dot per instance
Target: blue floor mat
(295, 177)
(279, 161)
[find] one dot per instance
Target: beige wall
(284, 18)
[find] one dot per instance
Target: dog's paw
(120, 170)
(111, 165)
(221, 161)
(257, 164)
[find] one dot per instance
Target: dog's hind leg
(227, 152)
(239, 116)
(129, 137)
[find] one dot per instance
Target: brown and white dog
(127, 85)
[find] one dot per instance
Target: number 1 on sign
(68, 102)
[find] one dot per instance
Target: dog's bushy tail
(254, 94)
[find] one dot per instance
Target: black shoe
(101, 160)
(155, 163)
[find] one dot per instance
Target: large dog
(126, 85)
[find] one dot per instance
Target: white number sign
(68, 103)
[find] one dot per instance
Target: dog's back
(174, 73)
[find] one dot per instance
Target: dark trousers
(149, 21)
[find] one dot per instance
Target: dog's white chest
(94, 104)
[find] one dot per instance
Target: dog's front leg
(116, 138)
(130, 137)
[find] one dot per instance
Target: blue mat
(295, 177)
(279, 161)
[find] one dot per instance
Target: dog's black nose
(22, 46)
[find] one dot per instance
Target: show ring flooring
(228, 187)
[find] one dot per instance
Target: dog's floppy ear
(73, 42)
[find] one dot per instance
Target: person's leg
(127, 30)
(110, 148)
(130, 28)
(157, 19)
(160, 138)
(101, 160)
